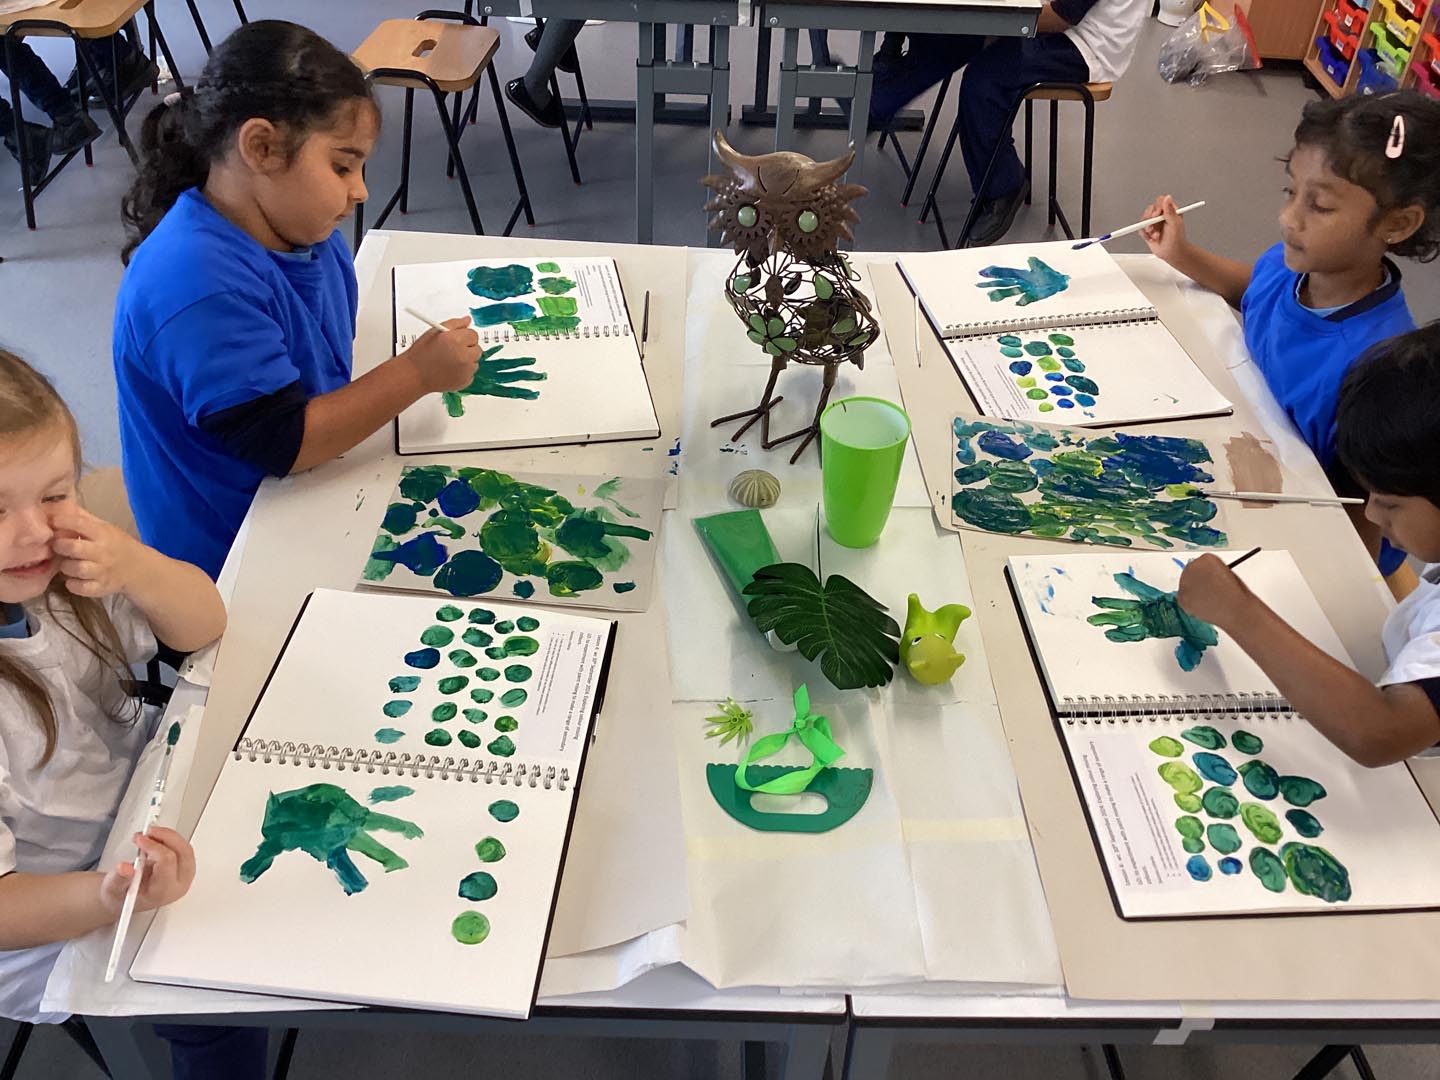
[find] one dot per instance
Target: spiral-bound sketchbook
(391, 827)
(1206, 794)
(1044, 332)
(560, 360)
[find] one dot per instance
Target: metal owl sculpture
(785, 216)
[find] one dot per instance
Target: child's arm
(337, 421)
(1373, 725)
(1227, 277)
(41, 909)
(179, 601)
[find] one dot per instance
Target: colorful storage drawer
(1403, 31)
(1348, 18)
(1344, 44)
(1335, 65)
(1372, 79)
(1425, 81)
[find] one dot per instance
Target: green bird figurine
(926, 647)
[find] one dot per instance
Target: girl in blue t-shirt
(236, 317)
(1364, 184)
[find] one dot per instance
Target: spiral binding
(1163, 708)
(1104, 317)
(349, 759)
(496, 335)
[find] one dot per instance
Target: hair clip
(1395, 145)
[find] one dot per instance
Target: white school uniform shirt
(1107, 34)
(1411, 636)
(56, 819)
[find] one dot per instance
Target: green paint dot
(504, 746)
(1008, 339)
(1300, 790)
(505, 626)
(506, 723)
(403, 684)
(1189, 803)
(527, 624)
(517, 673)
(482, 616)
(1011, 353)
(1260, 779)
(1180, 777)
(444, 711)
(1048, 363)
(1025, 382)
(478, 886)
(1247, 743)
(388, 735)
(1194, 845)
(496, 652)
(623, 586)
(490, 850)
(504, 810)
(1205, 736)
(397, 709)
(1261, 822)
(808, 221)
(1045, 406)
(1189, 827)
(482, 695)
(1167, 747)
(1038, 348)
(449, 613)
(1061, 339)
(1223, 838)
(1315, 872)
(1266, 866)
(1304, 823)
(1037, 394)
(520, 645)
(468, 739)
(453, 684)
(462, 658)
(476, 716)
(438, 636)
(1220, 802)
(548, 267)
(471, 928)
(390, 794)
(437, 737)
(747, 216)
(477, 638)
(487, 674)
(524, 589)
(513, 699)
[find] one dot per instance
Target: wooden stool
(1054, 92)
(443, 52)
(79, 20)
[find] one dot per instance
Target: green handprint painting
(497, 376)
(323, 821)
(1037, 281)
(1153, 614)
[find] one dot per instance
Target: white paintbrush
(426, 320)
(1281, 497)
(1129, 228)
(157, 796)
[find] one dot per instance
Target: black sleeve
(266, 431)
(1072, 11)
(1432, 691)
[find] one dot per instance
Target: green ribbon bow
(814, 734)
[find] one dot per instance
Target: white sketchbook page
(1139, 370)
(1376, 822)
(332, 684)
(627, 588)
(949, 284)
(1056, 598)
(294, 931)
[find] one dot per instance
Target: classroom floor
(57, 289)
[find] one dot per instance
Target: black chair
(1322, 1065)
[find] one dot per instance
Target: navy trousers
(215, 1053)
(995, 74)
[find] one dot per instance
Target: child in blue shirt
(236, 316)
(1364, 183)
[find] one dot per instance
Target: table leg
(131, 1050)
(868, 1054)
(645, 134)
(719, 102)
(860, 102)
(807, 1048)
(789, 87)
(762, 62)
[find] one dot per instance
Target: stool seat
(452, 55)
(87, 18)
(1099, 91)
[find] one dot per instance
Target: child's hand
(1211, 591)
(446, 361)
(96, 558)
(169, 870)
(1167, 240)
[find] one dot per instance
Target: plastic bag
(1206, 44)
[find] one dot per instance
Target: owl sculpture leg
(761, 412)
(806, 435)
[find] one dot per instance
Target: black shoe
(550, 115)
(72, 133)
(37, 151)
(137, 71)
(569, 60)
(996, 217)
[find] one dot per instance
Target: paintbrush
(1134, 228)
(157, 796)
(426, 320)
(1249, 554)
(1282, 497)
(645, 325)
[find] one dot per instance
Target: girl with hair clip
(236, 316)
(1363, 185)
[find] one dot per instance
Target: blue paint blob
(494, 314)
(1085, 399)
(1065, 403)
(1073, 365)
(1215, 768)
(1061, 391)
(1000, 445)
(422, 555)
(457, 499)
(422, 658)
(1065, 353)
(1081, 383)
(524, 589)
(1054, 376)
(1198, 868)
(1230, 865)
(1021, 367)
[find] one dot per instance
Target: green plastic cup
(862, 443)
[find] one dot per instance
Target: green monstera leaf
(857, 643)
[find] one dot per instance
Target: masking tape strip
(1192, 1018)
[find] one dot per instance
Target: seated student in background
(1387, 432)
(1363, 184)
(70, 129)
(554, 47)
(1077, 41)
(236, 316)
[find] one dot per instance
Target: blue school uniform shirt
(1304, 353)
(218, 344)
